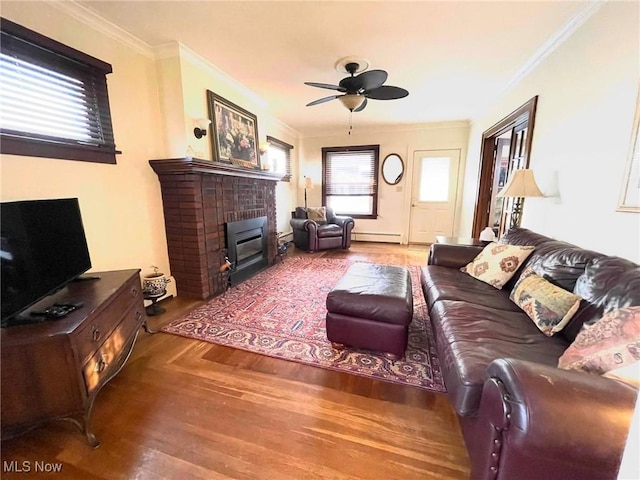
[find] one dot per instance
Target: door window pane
(434, 179)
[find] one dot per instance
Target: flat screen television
(42, 248)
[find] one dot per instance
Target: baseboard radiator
(357, 237)
(376, 237)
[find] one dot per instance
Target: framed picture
(630, 194)
(235, 133)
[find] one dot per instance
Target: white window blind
(53, 99)
(350, 180)
(280, 157)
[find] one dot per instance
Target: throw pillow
(317, 214)
(611, 342)
(550, 307)
(497, 263)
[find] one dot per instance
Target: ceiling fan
(356, 89)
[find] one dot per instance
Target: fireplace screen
(246, 247)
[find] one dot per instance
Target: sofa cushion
(608, 283)
(443, 283)
(329, 230)
(497, 263)
(611, 342)
(560, 263)
(469, 337)
(550, 307)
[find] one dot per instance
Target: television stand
(55, 370)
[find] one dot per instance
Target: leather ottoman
(371, 307)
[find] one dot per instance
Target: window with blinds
(280, 157)
(350, 180)
(53, 99)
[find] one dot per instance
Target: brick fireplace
(199, 198)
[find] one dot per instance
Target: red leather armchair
(313, 236)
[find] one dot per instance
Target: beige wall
(393, 201)
(120, 204)
(154, 97)
(587, 90)
(189, 102)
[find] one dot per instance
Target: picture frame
(629, 200)
(235, 133)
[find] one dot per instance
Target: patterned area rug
(280, 312)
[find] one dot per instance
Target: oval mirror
(392, 169)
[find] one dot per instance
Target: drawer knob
(134, 292)
(138, 315)
(95, 334)
(102, 364)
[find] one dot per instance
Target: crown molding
(555, 41)
(177, 49)
(95, 21)
(218, 73)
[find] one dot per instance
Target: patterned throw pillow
(611, 342)
(497, 263)
(317, 214)
(549, 307)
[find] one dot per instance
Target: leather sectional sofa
(520, 415)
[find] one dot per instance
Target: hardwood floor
(187, 409)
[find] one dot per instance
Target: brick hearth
(199, 197)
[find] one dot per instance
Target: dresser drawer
(108, 359)
(94, 333)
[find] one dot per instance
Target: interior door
(433, 194)
(500, 174)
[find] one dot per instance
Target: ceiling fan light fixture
(352, 101)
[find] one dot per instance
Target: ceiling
(453, 57)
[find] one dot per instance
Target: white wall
(587, 91)
(393, 200)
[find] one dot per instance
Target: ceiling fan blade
(361, 107)
(371, 80)
(386, 92)
(349, 85)
(322, 100)
(328, 86)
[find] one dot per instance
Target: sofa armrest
(303, 224)
(342, 220)
(544, 422)
(453, 256)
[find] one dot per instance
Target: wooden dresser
(54, 369)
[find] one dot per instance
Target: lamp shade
(308, 183)
(521, 184)
(352, 101)
(202, 123)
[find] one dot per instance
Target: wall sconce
(202, 125)
(263, 147)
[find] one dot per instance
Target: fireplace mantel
(200, 166)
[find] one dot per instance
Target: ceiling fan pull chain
(350, 122)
